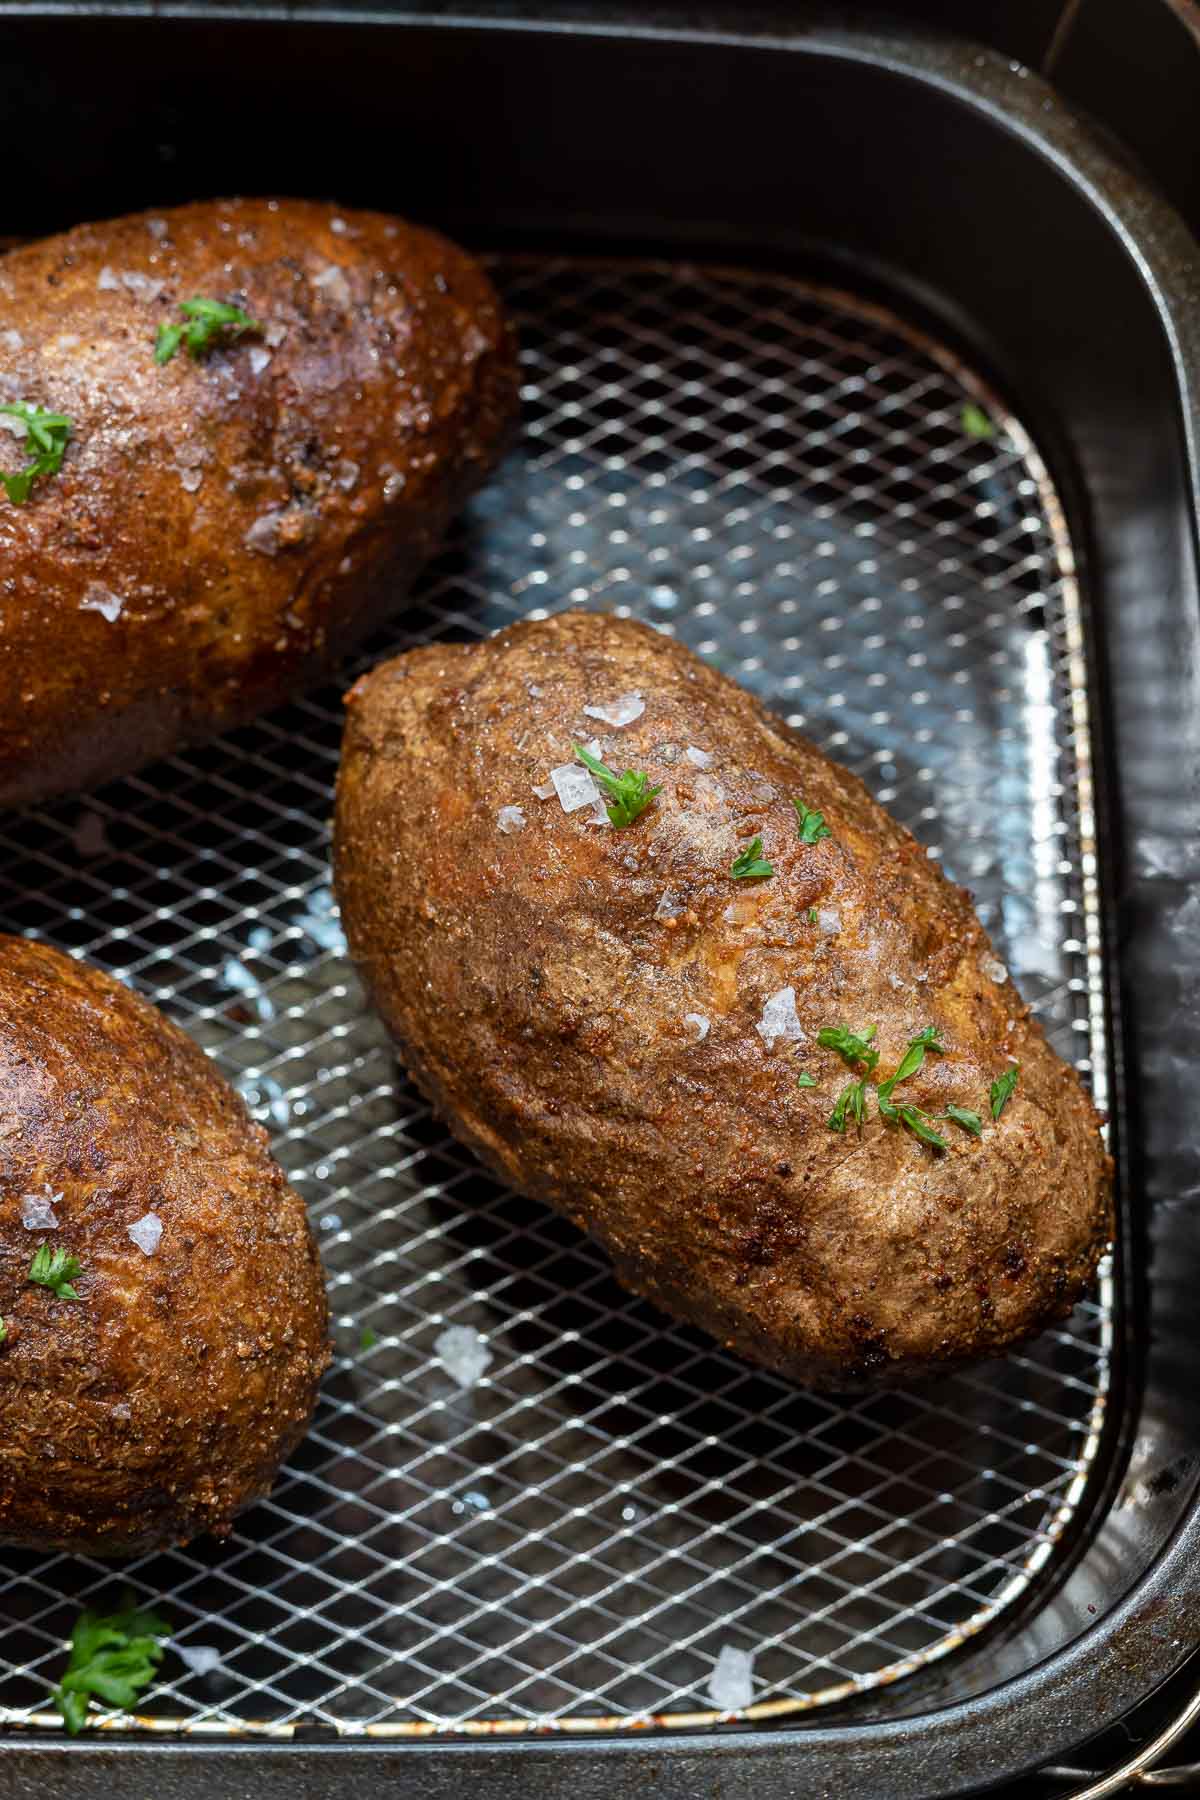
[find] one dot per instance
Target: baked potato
(203, 534)
(714, 1005)
(163, 1306)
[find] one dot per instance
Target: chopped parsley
(849, 1044)
(804, 1079)
(852, 1100)
(3, 1331)
(626, 796)
(207, 321)
(47, 435)
(751, 864)
(810, 826)
(970, 1121)
(921, 1126)
(812, 915)
(367, 1339)
(1001, 1091)
(56, 1270)
(976, 423)
(112, 1659)
(913, 1057)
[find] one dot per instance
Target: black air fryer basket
(861, 363)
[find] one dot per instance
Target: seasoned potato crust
(162, 1400)
(617, 1026)
(222, 529)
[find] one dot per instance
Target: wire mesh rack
(827, 504)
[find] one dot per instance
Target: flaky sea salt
(201, 1659)
(510, 819)
(699, 1024)
(829, 920)
(259, 358)
(994, 969)
(622, 711)
(332, 282)
(12, 340)
(701, 758)
(319, 921)
(237, 976)
(144, 286)
(574, 787)
(263, 535)
(100, 599)
(157, 228)
(146, 1232)
(108, 280)
(669, 905)
(779, 1018)
(731, 1684)
(463, 1353)
(37, 1211)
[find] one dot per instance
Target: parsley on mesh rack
(810, 826)
(1001, 1091)
(47, 435)
(626, 796)
(750, 864)
(56, 1270)
(976, 423)
(207, 323)
(112, 1659)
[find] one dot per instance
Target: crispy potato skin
(539, 998)
(162, 1401)
(252, 521)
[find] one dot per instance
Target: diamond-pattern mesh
(782, 476)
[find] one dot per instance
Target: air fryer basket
(747, 356)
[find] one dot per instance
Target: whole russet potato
(223, 527)
(620, 1027)
(160, 1401)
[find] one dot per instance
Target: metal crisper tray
(781, 475)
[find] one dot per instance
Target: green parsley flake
(627, 795)
(805, 1080)
(921, 1126)
(47, 435)
(852, 1100)
(810, 826)
(812, 915)
(976, 423)
(367, 1339)
(208, 321)
(849, 1044)
(970, 1121)
(56, 1270)
(1001, 1091)
(751, 864)
(913, 1057)
(112, 1660)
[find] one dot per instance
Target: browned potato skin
(386, 402)
(162, 1401)
(539, 1002)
